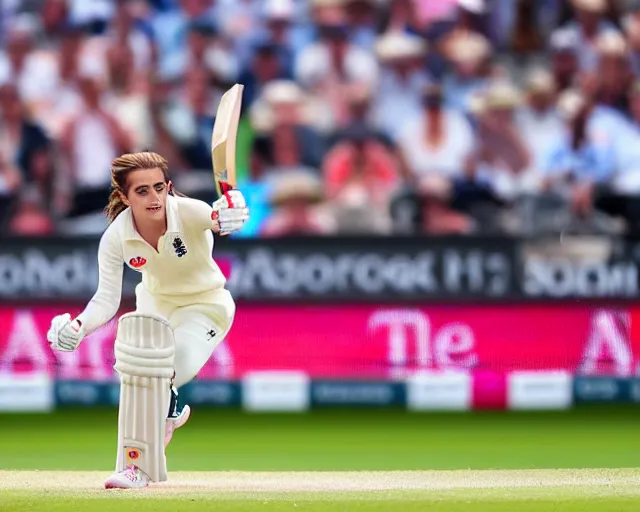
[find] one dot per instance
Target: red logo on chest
(137, 262)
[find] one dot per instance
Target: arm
(226, 215)
(105, 302)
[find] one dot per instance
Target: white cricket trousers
(199, 326)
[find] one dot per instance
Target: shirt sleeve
(105, 302)
(196, 214)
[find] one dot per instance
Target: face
(613, 71)
(541, 100)
(90, 90)
(146, 194)
(564, 64)
(266, 66)
(588, 19)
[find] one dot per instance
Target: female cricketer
(183, 310)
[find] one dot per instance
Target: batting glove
(64, 334)
(230, 212)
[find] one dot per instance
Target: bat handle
(226, 188)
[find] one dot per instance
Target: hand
(230, 212)
(64, 334)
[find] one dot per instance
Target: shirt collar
(174, 226)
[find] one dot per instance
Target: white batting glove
(230, 211)
(64, 334)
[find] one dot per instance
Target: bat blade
(223, 139)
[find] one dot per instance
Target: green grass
(371, 502)
(332, 440)
(84, 439)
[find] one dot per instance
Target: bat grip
(226, 188)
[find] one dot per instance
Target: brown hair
(121, 167)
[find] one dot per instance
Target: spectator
(438, 141)
(10, 182)
(580, 160)
(613, 71)
(360, 175)
(128, 98)
(631, 24)
(620, 196)
(538, 120)
(564, 59)
(266, 67)
(189, 119)
(327, 66)
(401, 15)
(468, 55)
(298, 210)
(362, 19)
(130, 25)
(434, 148)
(33, 70)
(284, 139)
(65, 100)
(206, 49)
(536, 18)
(90, 142)
(279, 19)
(500, 171)
(171, 29)
(590, 22)
(54, 16)
(360, 113)
(25, 145)
(403, 77)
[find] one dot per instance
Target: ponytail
(116, 205)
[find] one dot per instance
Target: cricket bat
(223, 139)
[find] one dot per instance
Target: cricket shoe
(131, 477)
(175, 422)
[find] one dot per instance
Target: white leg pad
(145, 352)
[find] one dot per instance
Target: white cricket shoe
(175, 423)
(131, 478)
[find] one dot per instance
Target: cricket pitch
(348, 486)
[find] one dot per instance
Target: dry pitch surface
(495, 490)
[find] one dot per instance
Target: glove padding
(230, 217)
(64, 334)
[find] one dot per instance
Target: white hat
(564, 39)
(590, 5)
(399, 45)
(611, 43)
(282, 92)
(279, 9)
(570, 103)
(467, 47)
(475, 6)
(539, 80)
(502, 94)
(296, 185)
(326, 3)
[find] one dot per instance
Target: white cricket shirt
(181, 270)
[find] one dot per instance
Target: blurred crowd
(359, 116)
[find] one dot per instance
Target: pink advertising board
(365, 341)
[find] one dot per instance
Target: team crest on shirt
(179, 247)
(137, 262)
